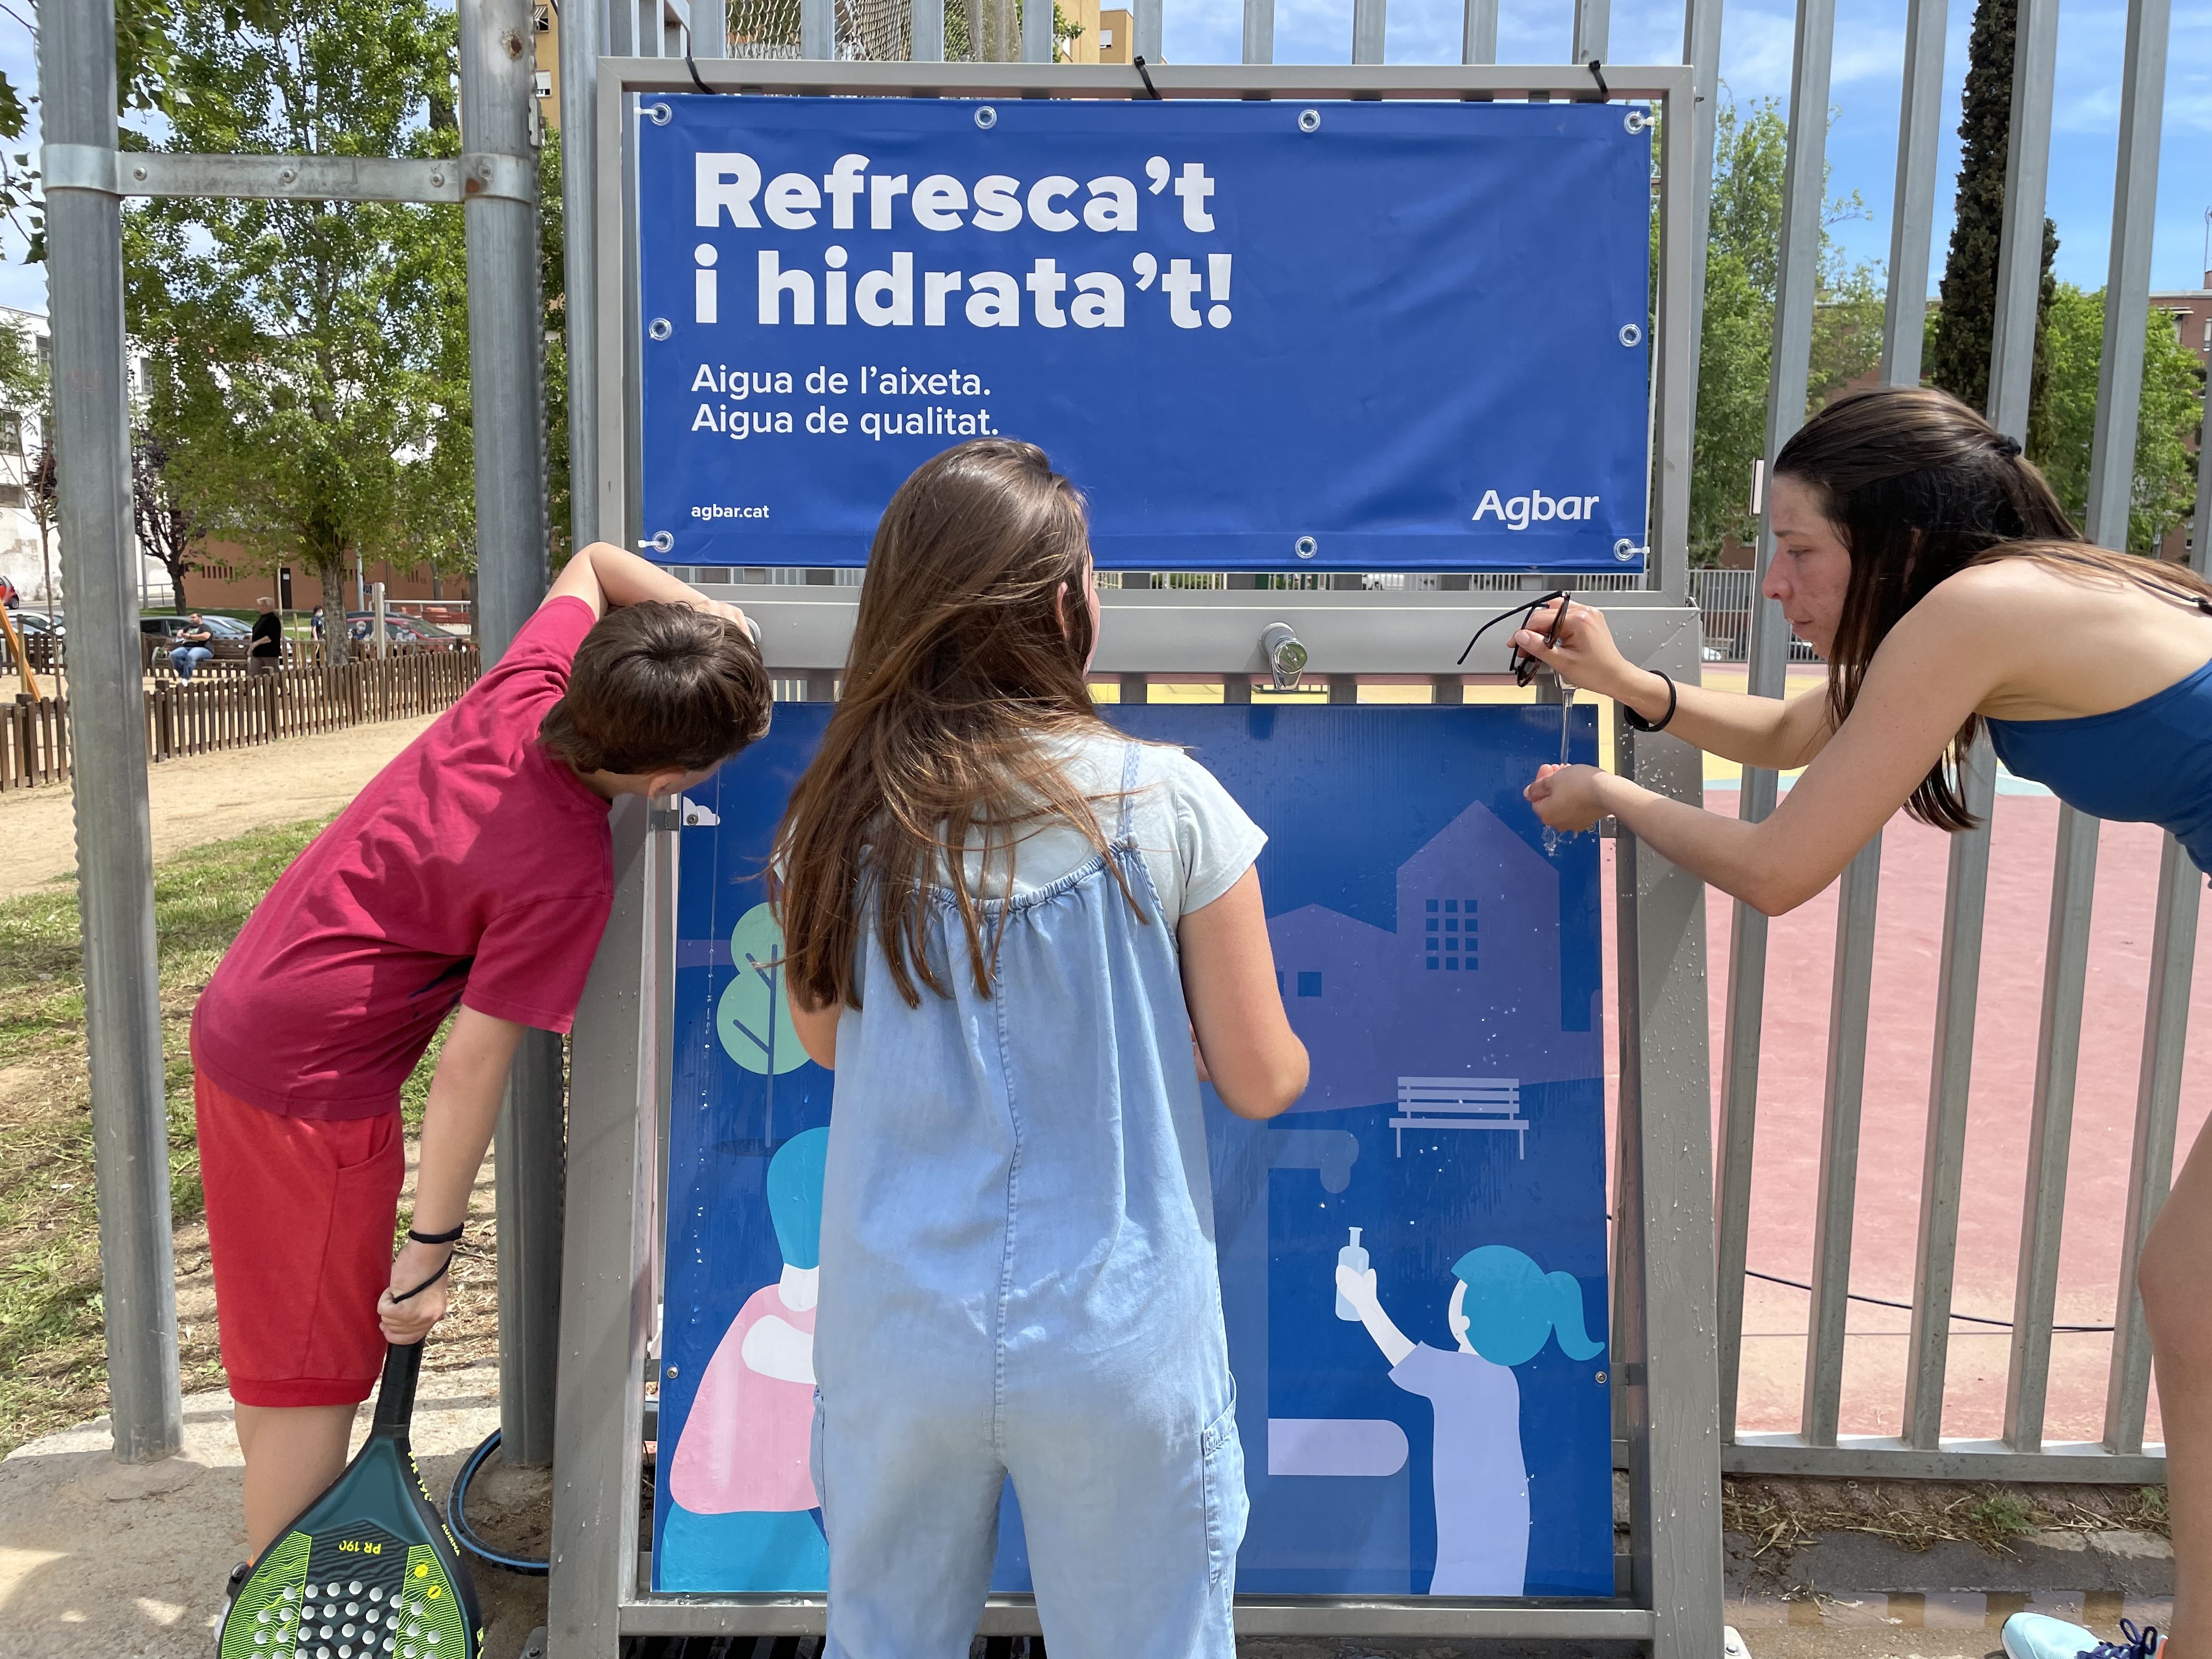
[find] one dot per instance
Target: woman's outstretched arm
(1756, 731)
(1924, 682)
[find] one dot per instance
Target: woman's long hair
(1919, 487)
(968, 651)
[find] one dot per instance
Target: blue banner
(1363, 335)
(1439, 956)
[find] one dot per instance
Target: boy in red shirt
(475, 869)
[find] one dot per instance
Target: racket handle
(395, 1393)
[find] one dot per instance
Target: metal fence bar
(1904, 310)
(817, 28)
(1701, 51)
(1477, 38)
(1943, 1166)
(1593, 29)
(2019, 257)
(114, 832)
(1674, 356)
(583, 39)
(1804, 195)
(2150, 1167)
(2050, 1128)
(1368, 29)
(1837, 1198)
(1037, 44)
(925, 31)
(2127, 284)
(1259, 31)
(1146, 29)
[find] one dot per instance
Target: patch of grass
(53, 1369)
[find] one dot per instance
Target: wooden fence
(233, 711)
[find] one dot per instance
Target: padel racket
(368, 1571)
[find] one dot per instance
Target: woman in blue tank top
(1929, 563)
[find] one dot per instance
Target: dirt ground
(207, 797)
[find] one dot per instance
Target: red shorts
(300, 1215)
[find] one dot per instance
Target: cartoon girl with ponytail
(1502, 1309)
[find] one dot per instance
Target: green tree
(1742, 275)
(1958, 358)
(302, 354)
(2163, 492)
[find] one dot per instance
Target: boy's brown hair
(657, 687)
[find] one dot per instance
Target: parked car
(407, 633)
(158, 635)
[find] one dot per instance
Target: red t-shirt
(475, 868)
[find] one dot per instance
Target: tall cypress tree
(1959, 356)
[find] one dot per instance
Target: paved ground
(102, 1561)
(207, 797)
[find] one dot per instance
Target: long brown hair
(1919, 487)
(969, 647)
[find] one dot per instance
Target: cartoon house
(1466, 986)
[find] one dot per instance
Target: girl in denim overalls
(1005, 924)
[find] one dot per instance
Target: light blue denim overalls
(1019, 1277)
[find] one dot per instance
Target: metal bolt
(660, 328)
(287, 175)
(1305, 547)
(1308, 120)
(438, 179)
(1631, 334)
(139, 174)
(986, 117)
(671, 1370)
(1601, 1376)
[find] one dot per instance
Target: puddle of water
(2101, 1610)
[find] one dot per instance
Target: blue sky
(1755, 63)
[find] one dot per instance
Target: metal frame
(1663, 1331)
(85, 181)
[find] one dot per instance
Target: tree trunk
(330, 571)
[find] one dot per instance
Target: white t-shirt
(1196, 840)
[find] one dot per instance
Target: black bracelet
(1638, 723)
(437, 1238)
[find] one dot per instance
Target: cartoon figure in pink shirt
(745, 1514)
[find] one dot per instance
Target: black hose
(457, 1518)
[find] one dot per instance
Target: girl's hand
(1568, 799)
(1357, 1288)
(1585, 657)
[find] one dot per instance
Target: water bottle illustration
(1353, 1257)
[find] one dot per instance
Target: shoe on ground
(2039, 1636)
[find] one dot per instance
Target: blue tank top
(2150, 763)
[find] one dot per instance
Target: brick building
(2191, 310)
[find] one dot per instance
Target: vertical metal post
(1701, 51)
(506, 370)
(583, 38)
(818, 29)
(1478, 40)
(925, 30)
(1663, 1344)
(1367, 30)
(1830, 1306)
(1593, 29)
(1803, 195)
(107, 735)
(2051, 1129)
(1905, 315)
(1942, 1167)
(2127, 282)
(1146, 29)
(1674, 344)
(1259, 31)
(1037, 42)
(708, 31)
(2020, 256)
